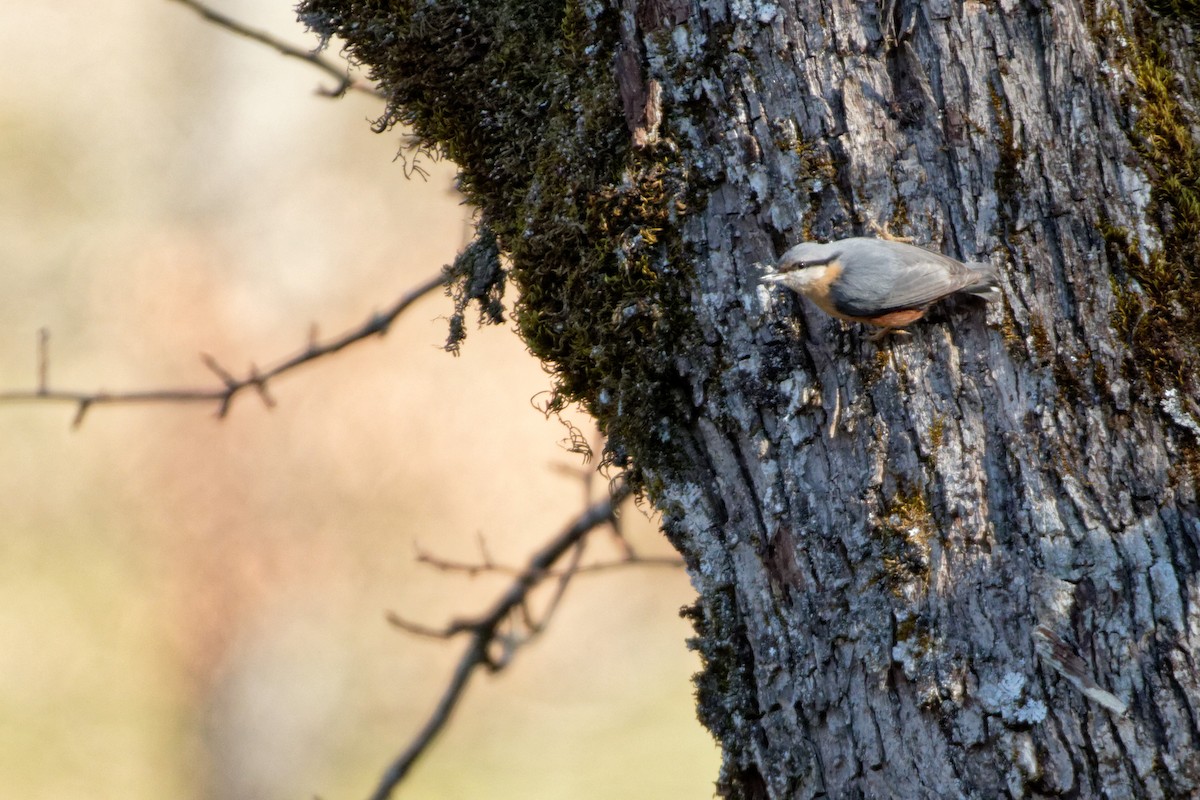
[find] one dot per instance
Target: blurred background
(194, 608)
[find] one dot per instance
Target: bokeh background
(193, 608)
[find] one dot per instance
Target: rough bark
(961, 563)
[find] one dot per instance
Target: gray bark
(911, 534)
(958, 564)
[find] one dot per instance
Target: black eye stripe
(824, 261)
(813, 263)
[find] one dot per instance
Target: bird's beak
(772, 277)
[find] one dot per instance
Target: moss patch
(1040, 338)
(724, 693)
(1183, 10)
(816, 171)
(599, 298)
(1008, 181)
(1158, 293)
(520, 94)
(937, 431)
(903, 535)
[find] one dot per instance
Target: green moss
(1189, 462)
(1183, 10)
(914, 630)
(900, 219)
(1100, 378)
(1068, 372)
(1118, 242)
(726, 700)
(910, 510)
(815, 171)
(520, 94)
(902, 535)
(1009, 185)
(1008, 332)
(1156, 292)
(599, 294)
(907, 627)
(875, 369)
(1041, 338)
(1106, 26)
(937, 430)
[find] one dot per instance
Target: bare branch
(375, 325)
(417, 629)
(346, 82)
(220, 371)
(486, 630)
(536, 626)
(633, 559)
(484, 553)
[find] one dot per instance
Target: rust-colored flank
(897, 319)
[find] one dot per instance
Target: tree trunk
(957, 564)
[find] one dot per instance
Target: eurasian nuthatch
(883, 283)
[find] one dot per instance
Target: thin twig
(341, 73)
(477, 568)
(536, 626)
(417, 629)
(485, 631)
(375, 325)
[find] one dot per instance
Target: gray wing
(880, 276)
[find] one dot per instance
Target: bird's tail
(987, 283)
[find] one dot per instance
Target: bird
(887, 284)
